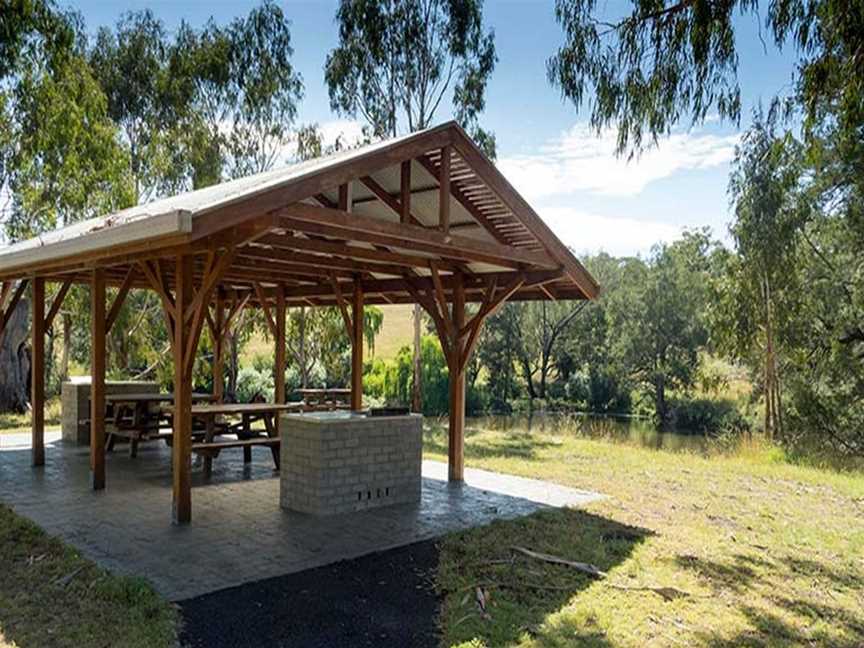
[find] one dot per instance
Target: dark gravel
(384, 599)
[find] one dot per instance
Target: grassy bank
(759, 552)
(12, 423)
(51, 596)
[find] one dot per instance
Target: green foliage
(707, 416)
(390, 381)
(657, 316)
(67, 164)
(33, 29)
(255, 383)
(647, 67)
(396, 62)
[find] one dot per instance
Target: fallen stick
(667, 593)
(585, 568)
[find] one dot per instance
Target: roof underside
(290, 228)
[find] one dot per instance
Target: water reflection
(630, 431)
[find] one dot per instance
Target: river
(630, 431)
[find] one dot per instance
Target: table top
(151, 398)
(238, 408)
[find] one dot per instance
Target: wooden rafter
(262, 302)
(395, 205)
(57, 303)
(355, 227)
(343, 308)
(444, 193)
(119, 299)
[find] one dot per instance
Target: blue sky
(591, 199)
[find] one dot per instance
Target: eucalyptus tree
(762, 283)
(651, 65)
(264, 89)
(34, 26)
(657, 317)
(130, 63)
(62, 159)
(398, 62)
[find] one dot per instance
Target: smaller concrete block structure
(75, 404)
(337, 462)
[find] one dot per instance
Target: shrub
(707, 416)
(252, 381)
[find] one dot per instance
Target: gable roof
(484, 207)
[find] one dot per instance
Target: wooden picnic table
(210, 446)
(136, 416)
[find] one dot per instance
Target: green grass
(11, 423)
(769, 554)
(51, 596)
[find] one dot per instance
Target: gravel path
(382, 599)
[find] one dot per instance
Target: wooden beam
(444, 193)
(340, 300)
(37, 373)
(345, 197)
(262, 303)
(97, 379)
(343, 250)
(474, 283)
(355, 227)
(297, 259)
(119, 299)
(218, 335)
(456, 437)
(57, 303)
(279, 364)
(357, 348)
(442, 300)
(181, 447)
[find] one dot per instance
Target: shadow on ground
(783, 619)
(523, 591)
(383, 599)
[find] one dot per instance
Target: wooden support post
(181, 448)
(279, 365)
(357, 347)
(345, 198)
(37, 372)
(456, 445)
(97, 379)
(444, 190)
(219, 348)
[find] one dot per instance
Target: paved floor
(238, 532)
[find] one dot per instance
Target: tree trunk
(15, 361)
(416, 392)
(660, 408)
(773, 415)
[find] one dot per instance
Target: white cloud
(619, 236)
(349, 130)
(579, 160)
